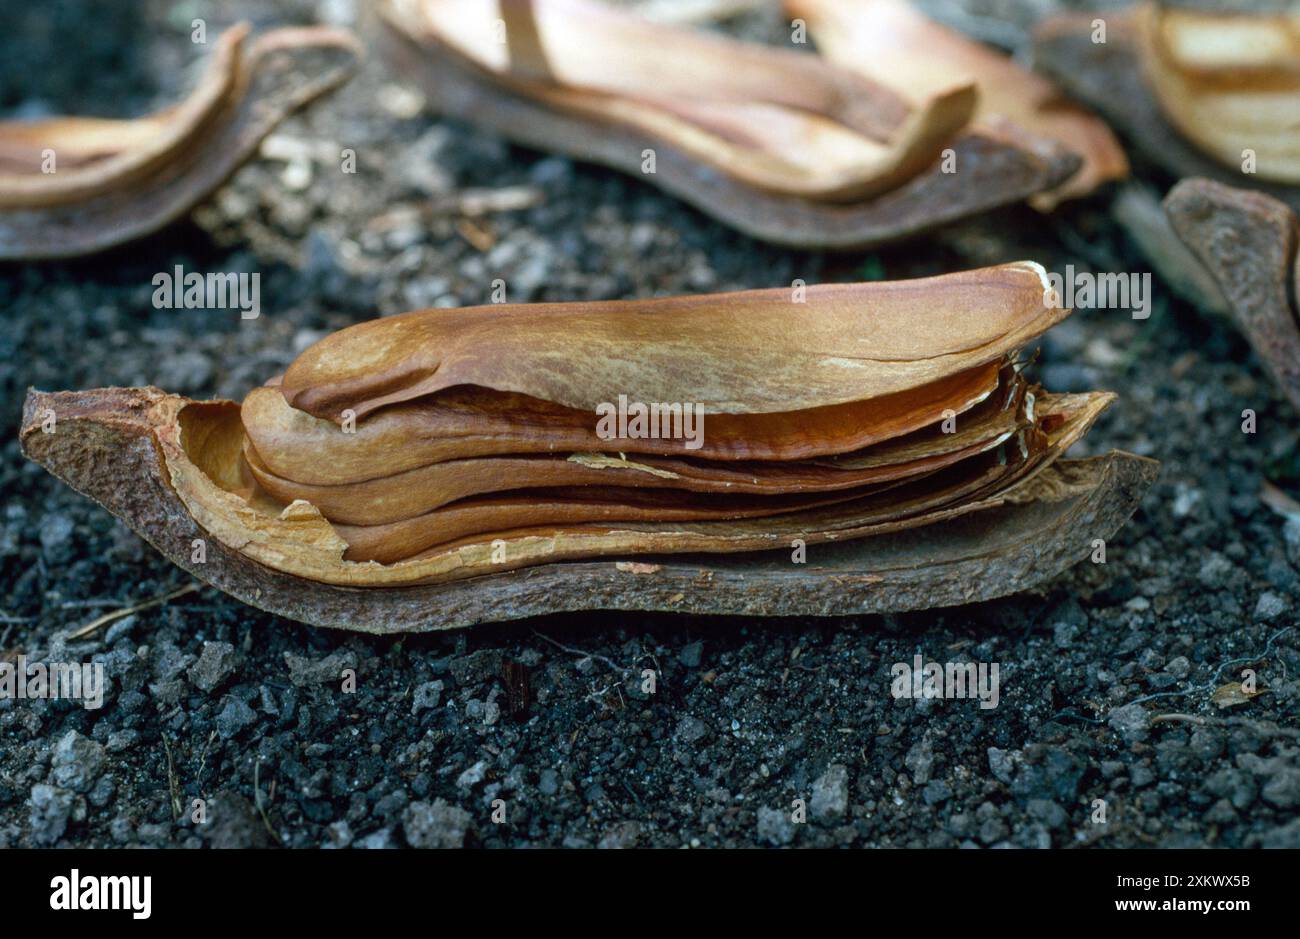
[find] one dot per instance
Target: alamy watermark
(78, 891)
(1107, 291)
(636, 420)
(72, 681)
(949, 680)
(178, 290)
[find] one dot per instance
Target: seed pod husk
(115, 446)
(1250, 244)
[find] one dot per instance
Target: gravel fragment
(1270, 607)
(233, 822)
(691, 655)
(50, 807)
(472, 776)
(435, 825)
(56, 538)
(1047, 812)
(234, 717)
(426, 696)
(1291, 537)
(304, 671)
(380, 840)
(1003, 764)
(338, 835)
(77, 762)
(830, 793)
(215, 664)
(1131, 722)
(691, 730)
(476, 668)
(622, 835)
(1283, 788)
(920, 760)
(775, 827)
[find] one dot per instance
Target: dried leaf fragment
(1234, 694)
(72, 186)
(519, 691)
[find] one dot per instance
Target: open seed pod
(1250, 244)
(1202, 94)
(445, 467)
(891, 42)
(1230, 83)
(780, 145)
(71, 186)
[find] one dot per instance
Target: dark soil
(213, 700)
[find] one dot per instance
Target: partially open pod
(419, 471)
(892, 42)
(1231, 83)
(770, 118)
(71, 186)
(128, 450)
(782, 146)
(1192, 91)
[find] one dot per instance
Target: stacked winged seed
(835, 413)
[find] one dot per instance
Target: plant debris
(112, 617)
(72, 186)
(1234, 693)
